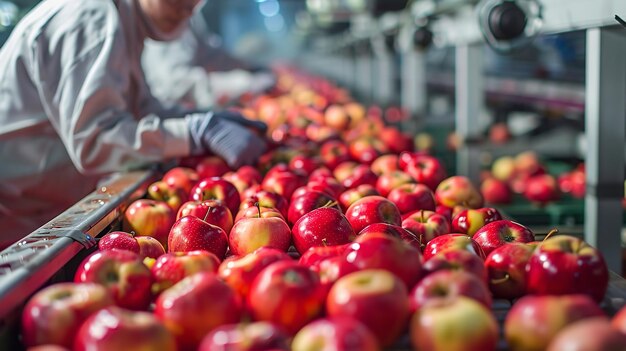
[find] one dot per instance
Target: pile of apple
(343, 238)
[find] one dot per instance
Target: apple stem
(422, 215)
(258, 207)
(207, 213)
(552, 232)
(501, 280)
(324, 242)
(330, 203)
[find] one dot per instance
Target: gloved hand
(262, 81)
(227, 134)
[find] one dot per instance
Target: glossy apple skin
(591, 334)
(341, 334)
(365, 149)
(191, 233)
(496, 191)
(216, 188)
(570, 265)
(249, 234)
(329, 185)
(469, 221)
(619, 320)
(149, 247)
(453, 241)
(181, 177)
(426, 225)
(267, 199)
(113, 328)
(118, 240)
(171, 194)
(384, 164)
(334, 152)
(195, 306)
(393, 230)
(448, 284)
(322, 227)
(122, 272)
(253, 336)
(54, 314)
(149, 218)
(308, 202)
(534, 321)
(304, 163)
(506, 267)
(316, 254)
(363, 295)
(457, 260)
(283, 183)
(382, 251)
(211, 166)
(454, 324)
(426, 170)
(391, 180)
(253, 212)
(350, 196)
(172, 267)
(412, 197)
(541, 189)
(287, 294)
(240, 271)
(344, 170)
(361, 175)
(212, 211)
(458, 190)
(499, 233)
(370, 210)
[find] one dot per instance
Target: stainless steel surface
(605, 131)
(26, 265)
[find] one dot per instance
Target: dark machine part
(507, 21)
(422, 38)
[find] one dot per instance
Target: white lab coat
(74, 106)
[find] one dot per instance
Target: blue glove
(227, 134)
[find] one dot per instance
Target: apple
(499, 133)
(456, 260)
(503, 168)
(169, 193)
(191, 233)
(458, 190)
(541, 189)
(384, 164)
(534, 321)
(249, 234)
(241, 183)
(506, 266)
(320, 173)
(304, 163)
(449, 284)
(412, 197)
(349, 196)
(619, 320)
(527, 162)
(122, 272)
(118, 240)
(496, 191)
(334, 152)
(267, 199)
(340, 333)
(344, 170)
(329, 185)
(426, 225)
(332, 269)
(469, 221)
(393, 230)
(424, 142)
(211, 211)
(211, 166)
(372, 209)
(573, 182)
(252, 336)
(363, 295)
(287, 294)
(395, 140)
(336, 117)
(453, 241)
(172, 267)
(382, 251)
(362, 174)
(54, 314)
(149, 247)
(253, 212)
(250, 174)
(426, 170)
(48, 347)
(444, 211)
(195, 306)
(114, 328)
(570, 265)
(283, 183)
(593, 334)
(325, 226)
(391, 180)
(316, 254)
(147, 217)
(239, 271)
(307, 202)
(181, 177)
(454, 324)
(217, 189)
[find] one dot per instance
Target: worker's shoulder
(98, 13)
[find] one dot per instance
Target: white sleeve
(84, 86)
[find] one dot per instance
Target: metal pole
(413, 80)
(605, 112)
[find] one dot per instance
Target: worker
(196, 71)
(74, 106)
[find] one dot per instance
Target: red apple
(453, 241)
(267, 199)
(211, 211)
(365, 149)
(498, 233)
(320, 173)
(391, 180)
(570, 265)
(149, 218)
(329, 185)
(395, 140)
(454, 324)
(304, 163)
(382, 251)
(499, 133)
(191, 233)
(334, 152)
(541, 189)
(370, 210)
(253, 212)
(362, 174)
(350, 196)
(246, 337)
(449, 284)
(149, 247)
(458, 190)
(287, 294)
(283, 183)
(54, 314)
(211, 166)
(250, 174)
(332, 269)
(172, 195)
(336, 117)
(619, 320)
(341, 334)
(593, 334)
(363, 295)
(496, 191)
(118, 240)
(316, 254)
(412, 197)
(217, 189)
(181, 177)
(113, 328)
(249, 234)
(393, 230)
(469, 221)
(534, 321)
(172, 267)
(323, 226)
(307, 202)
(460, 260)
(506, 266)
(344, 170)
(444, 211)
(384, 164)
(527, 162)
(241, 183)
(426, 170)
(195, 306)
(426, 225)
